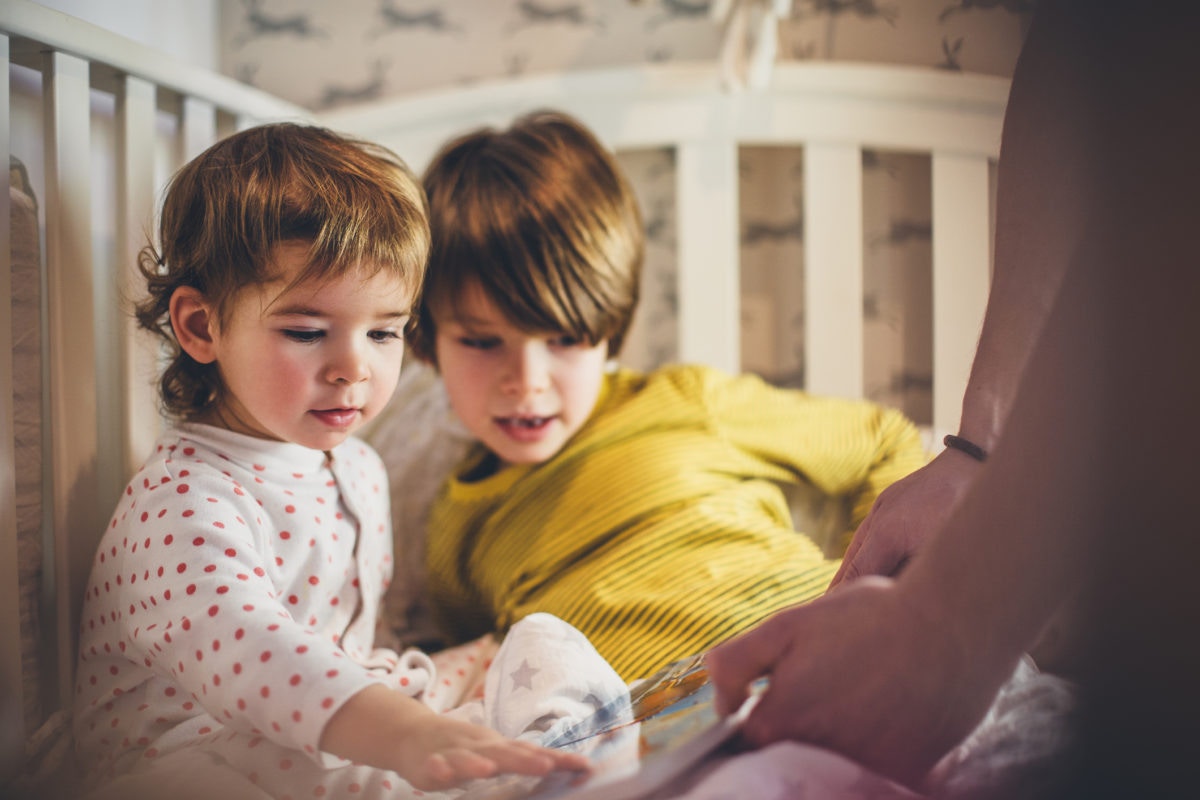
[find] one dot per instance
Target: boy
(643, 509)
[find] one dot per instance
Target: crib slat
(137, 352)
(76, 519)
(833, 281)
(961, 278)
(199, 121)
(12, 723)
(707, 208)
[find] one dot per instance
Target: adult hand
(905, 515)
(867, 671)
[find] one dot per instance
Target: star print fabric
(235, 593)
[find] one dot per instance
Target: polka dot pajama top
(233, 596)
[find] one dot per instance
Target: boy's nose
(528, 371)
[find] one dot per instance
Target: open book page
(636, 744)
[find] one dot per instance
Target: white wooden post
(137, 351)
(961, 278)
(12, 718)
(77, 521)
(708, 273)
(833, 281)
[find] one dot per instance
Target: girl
(227, 631)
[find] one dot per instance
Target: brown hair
(541, 217)
(225, 213)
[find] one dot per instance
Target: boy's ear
(194, 319)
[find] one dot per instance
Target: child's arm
(852, 449)
(388, 729)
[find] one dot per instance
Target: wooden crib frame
(99, 411)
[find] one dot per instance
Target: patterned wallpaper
(322, 55)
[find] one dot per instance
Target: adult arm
(893, 673)
(1028, 271)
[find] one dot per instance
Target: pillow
(420, 440)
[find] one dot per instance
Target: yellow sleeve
(851, 449)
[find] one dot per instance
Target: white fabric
(231, 611)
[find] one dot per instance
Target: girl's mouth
(336, 417)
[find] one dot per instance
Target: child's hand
(449, 752)
(385, 728)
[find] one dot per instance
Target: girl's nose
(349, 366)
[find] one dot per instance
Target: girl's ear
(194, 321)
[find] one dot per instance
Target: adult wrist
(965, 445)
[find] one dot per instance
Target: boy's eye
(479, 342)
(303, 335)
(383, 336)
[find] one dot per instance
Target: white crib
(99, 123)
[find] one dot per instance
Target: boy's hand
(447, 752)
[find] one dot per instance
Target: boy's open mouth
(524, 428)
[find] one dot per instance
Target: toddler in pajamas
(227, 634)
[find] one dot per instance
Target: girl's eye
(382, 337)
(303, 336)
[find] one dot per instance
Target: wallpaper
(322, 55)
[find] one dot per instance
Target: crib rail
(101, 122)
(835, 112)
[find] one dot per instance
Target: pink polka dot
(199, 540)
(182, 488)
(313, 580)
(181, 568)
(265, 657)
(290, 509)
(285, 763)
(212, 611)
(191, 589)
(327, 702)
(188, 512)
(294, 680)
(265, 691)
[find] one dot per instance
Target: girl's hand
(443, 753)
(390, 730)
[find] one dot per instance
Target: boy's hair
(541, 217)
(226, 212)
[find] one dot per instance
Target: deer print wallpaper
(322, 55)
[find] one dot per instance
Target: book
(639, 742)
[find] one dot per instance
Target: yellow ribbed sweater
(659, 530)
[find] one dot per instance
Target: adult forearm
(1046, 130)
